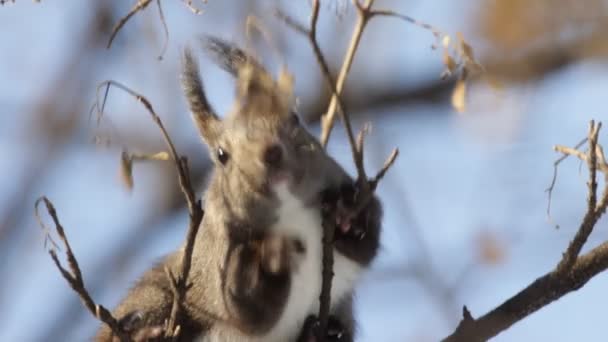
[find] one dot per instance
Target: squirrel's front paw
(275, 254)
(340, 206)
(133, 324)
(311, 331)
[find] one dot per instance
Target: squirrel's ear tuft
(207, 122)
(229, 56)
(257, 91)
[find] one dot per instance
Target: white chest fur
(297, 221)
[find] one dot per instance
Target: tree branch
(366, 186)
(327, 120)
(179, 282)
(591, 216)
(556, 163)
(311, 34)
(572, 272)
(540, 293)
(140, 5)
(74, 276)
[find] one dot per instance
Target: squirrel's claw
(311, 331)
(275, 254)
(133, 324)
(341, 204)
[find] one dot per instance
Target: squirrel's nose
(273, 155)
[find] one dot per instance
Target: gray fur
(241, 271)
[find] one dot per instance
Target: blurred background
(465, 205)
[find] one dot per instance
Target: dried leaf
(493, 82)
(126, 170)
(459, 95)
(161, 156)
(465, 48)
(193, 8)
(450, 64)
(445, 42)
(491, 250)
(468, 56)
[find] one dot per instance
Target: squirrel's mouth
(278, 177)
(282, 175)
(275, 180)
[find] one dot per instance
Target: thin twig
(601, 160)
(184, 178)
(182, 285)
(365, 14)
(192, 8)
(590, 216)
(74, 276)
(179, 282)
(366, 186)
(388, 13)
(602, 166)
(139, 5)
(311, 34)
(373, 183)
(549, 190)
(358, 153)
(165, 30)
(328, 228)
(327, 273)
(328, 118)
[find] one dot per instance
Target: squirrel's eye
(222, 155)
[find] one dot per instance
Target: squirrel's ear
(257, 91)
(252, 78)
(207, 122)
(228, 56)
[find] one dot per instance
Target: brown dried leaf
(468, 56)
(491, 250)
(459, 95)
(465, 48)
(126, 170)
(450, 65)
(445, 42)
(493, 82)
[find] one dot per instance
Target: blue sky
(458, 174)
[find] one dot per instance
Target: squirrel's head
(260, 143)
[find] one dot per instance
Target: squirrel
(257, 260)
